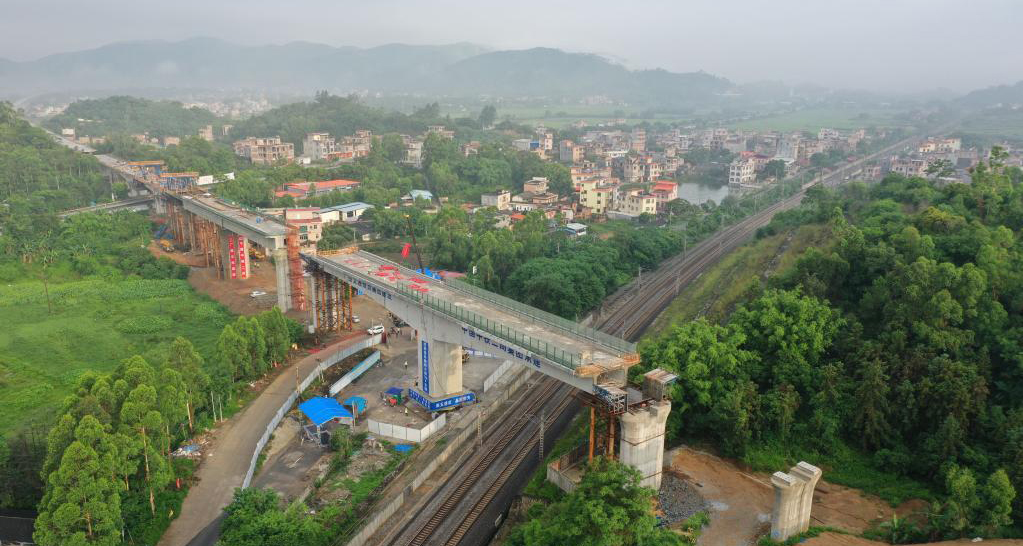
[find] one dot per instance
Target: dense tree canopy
(902, 337)
(39, 176)
(607, 508)
(119, 115)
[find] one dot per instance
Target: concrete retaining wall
(383, 513)
(272, 425)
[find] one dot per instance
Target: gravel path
(678, 498)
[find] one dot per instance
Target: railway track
(419, 530)
(628, 320)
(642, 304)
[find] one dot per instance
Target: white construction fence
(330, 360)
(406, 433)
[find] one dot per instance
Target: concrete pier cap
(642, 443)
(793, 500)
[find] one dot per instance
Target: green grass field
(812, 119)
(718, 290)
(94, 325)
(996, 126)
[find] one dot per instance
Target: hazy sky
(903, 45)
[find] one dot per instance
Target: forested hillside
(38, 175)
(893, 356)
(131, 115)
(339, 116)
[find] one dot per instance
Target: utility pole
(542, 430)
(479, 426)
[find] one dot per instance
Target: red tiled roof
(336, 184)
(518, 216)
(293, 193)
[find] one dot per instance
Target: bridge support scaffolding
(332, 303)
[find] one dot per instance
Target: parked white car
(374, 330)
(257, 293)
(355, 319)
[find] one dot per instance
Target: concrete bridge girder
(436, 327)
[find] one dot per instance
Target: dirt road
(740, 501)
(235, 294)
(224, 467)
(832, 539)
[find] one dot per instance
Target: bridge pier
(642, 443)
(234, 255)
(280, 258)
(440, 367)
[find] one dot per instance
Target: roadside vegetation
(715, 294)
(259, 517)
(607, 508)
(888, 355)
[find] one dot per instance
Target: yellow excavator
(167, 245)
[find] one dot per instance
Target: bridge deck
(256, 222)
(581, 350)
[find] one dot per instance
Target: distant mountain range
(999, 95)
(460, 70)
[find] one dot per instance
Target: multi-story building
(570, 152)
(908, 166)
(638, 202)
(413, 152)
(637, 140)
(318, 146)
(545, 139)
(310, 225)
(742, 172)
(828, 134)
(440, 130)
(470, 148)
(664, 191)
(500, 200)
(598, 199)
(265, 151)
(589, 171)
(537, 184)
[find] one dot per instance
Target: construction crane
(415, 246)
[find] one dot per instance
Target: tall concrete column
(787, 495)
(234, 255)
(793, 500)
(810, 475)
(440, 367)
(280, 257)
(642, 443)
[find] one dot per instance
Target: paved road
(224, 469)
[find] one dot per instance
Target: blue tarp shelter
(357, 402)
(321, 409)
(394, 391)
